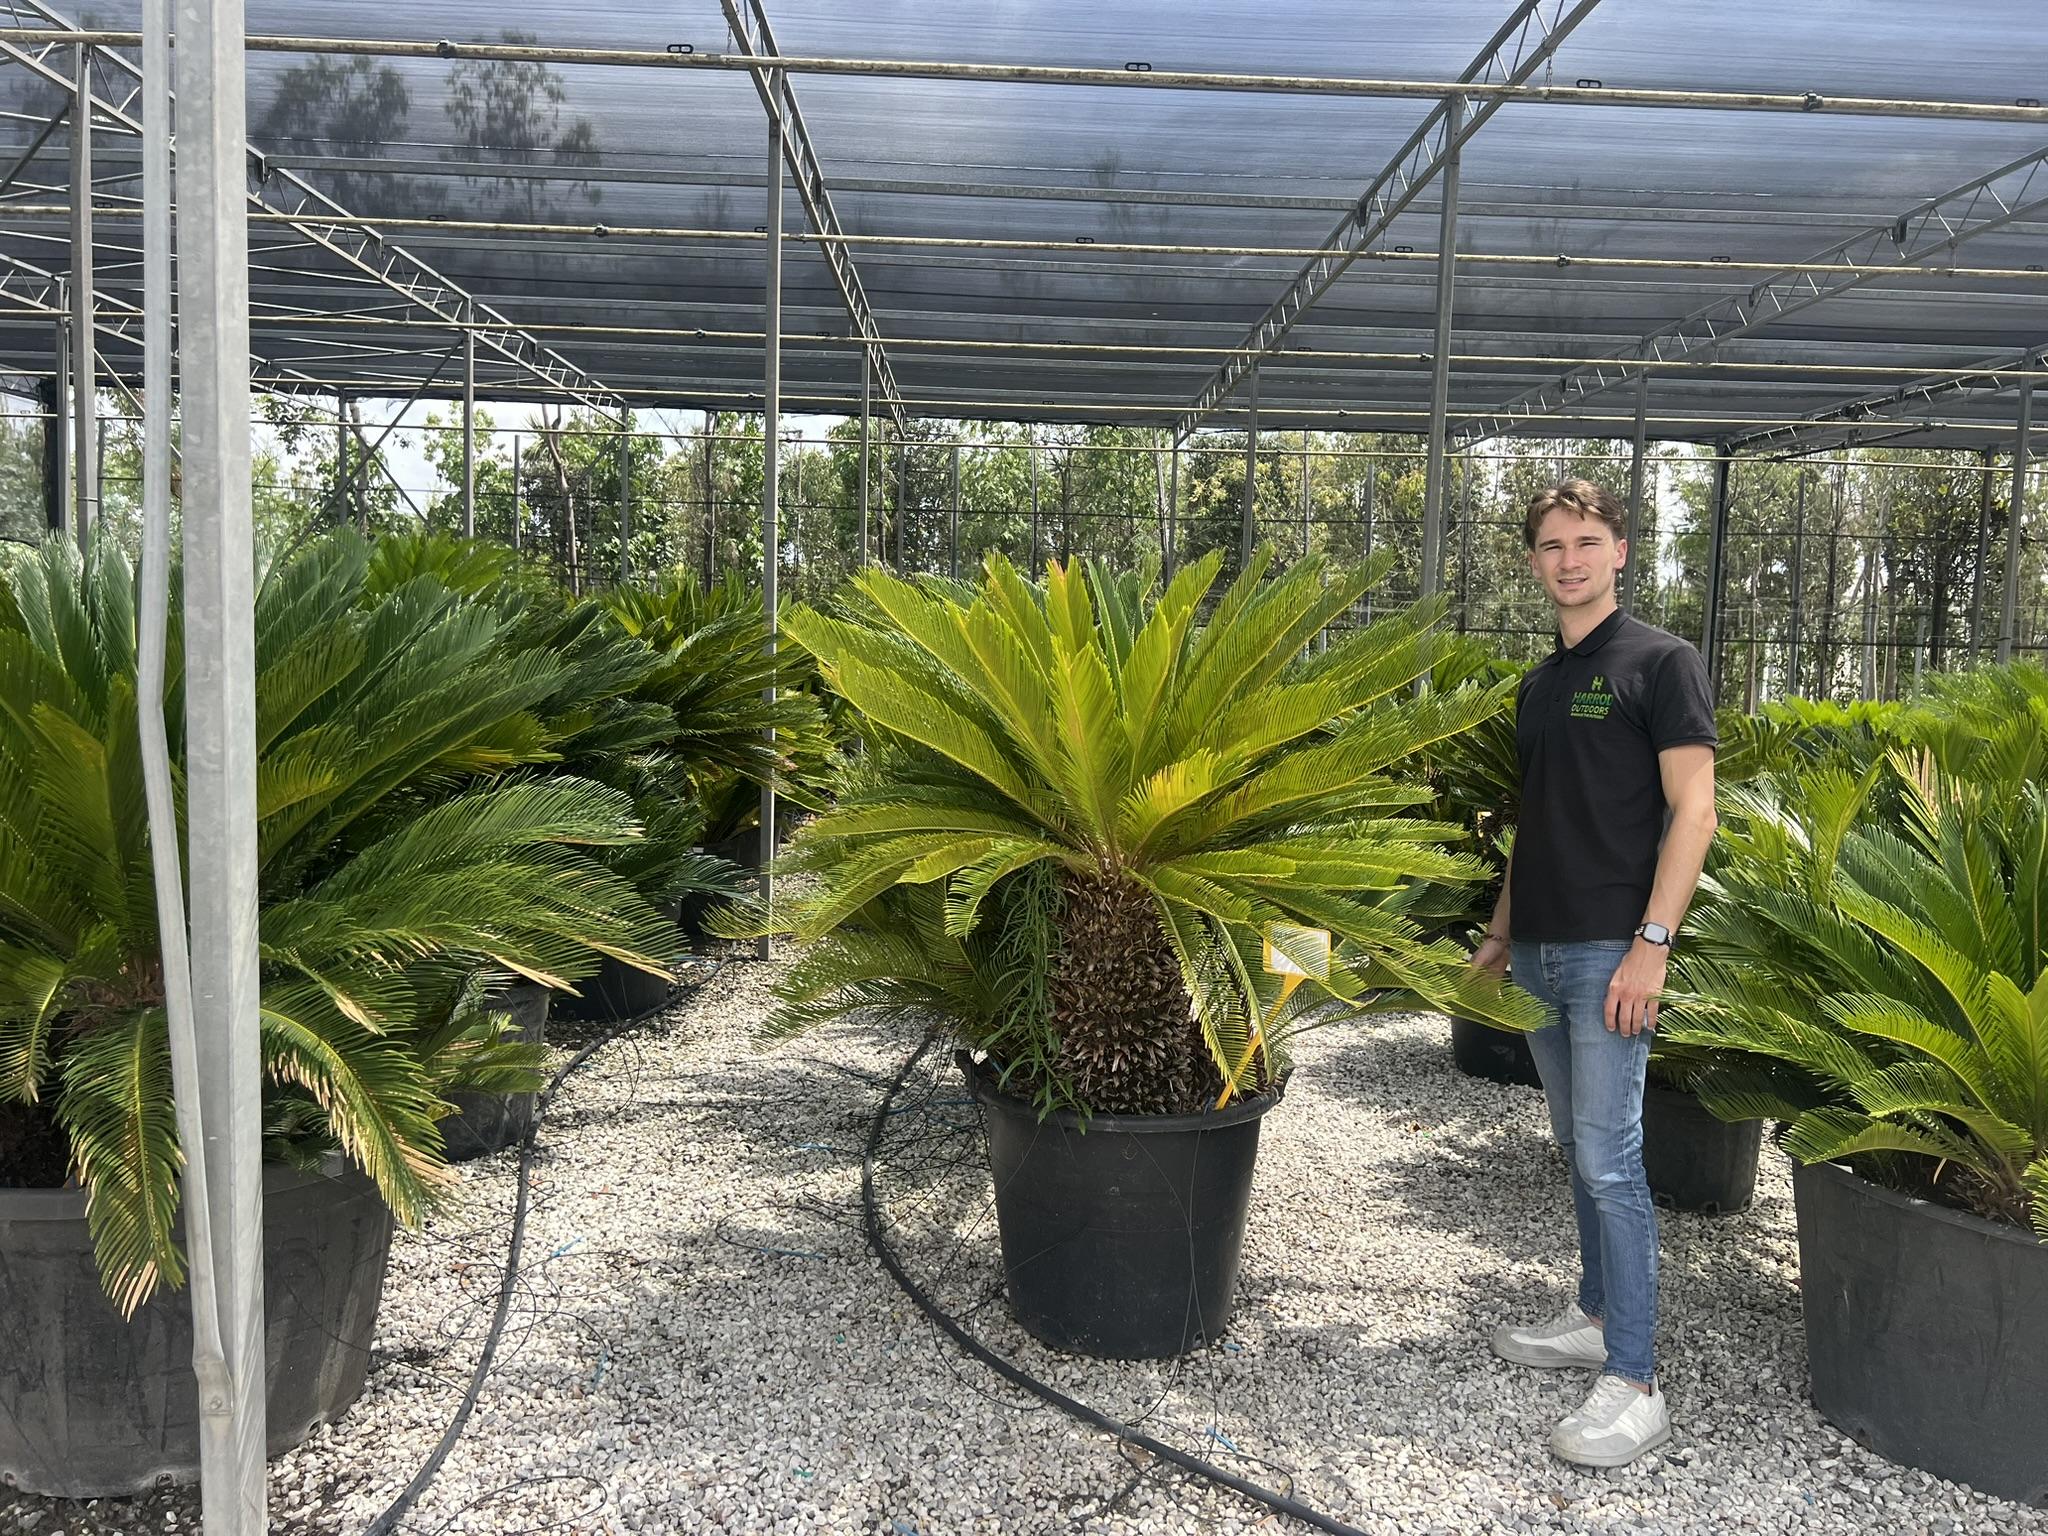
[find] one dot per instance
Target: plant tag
(1297, 951)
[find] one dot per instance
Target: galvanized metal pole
(625, 497)
(1638, 458)
(1247, 534)
(902, 468)
(220, 733)
(1798, 605)
(1983, 554)
(1717, 534)
(57, 458)
(469, 434)
(1434, 467)
(85, 393)
(866, 370)
(518, 498)
(1172, 511)
(1465, 543)
(771, 429)
(1034, 502)
(2016, 523)
(1304, 495)
(1372, 472)
(953, 519)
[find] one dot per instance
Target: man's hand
(1491, 955)
(1632, 994)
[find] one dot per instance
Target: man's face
(1576, 558)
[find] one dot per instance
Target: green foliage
(1104, 734)
(403, 854)
(1870, 957)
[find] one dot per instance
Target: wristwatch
(1655, 933)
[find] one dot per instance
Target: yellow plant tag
(1299, 952)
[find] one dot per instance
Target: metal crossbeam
(1899, 247)
(1844, 423)
(1521, 47)
(323, 222)
(751, 30)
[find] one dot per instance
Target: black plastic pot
(92, 1405)
(489, 1122)
(1121, 1239)
(1926, 1331)
(1497, 1055)
(617, 991)
(1694, 1161)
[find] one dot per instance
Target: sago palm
(405, 845)
(1878, 977)
(1083, 810)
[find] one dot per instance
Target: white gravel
(702, 1341)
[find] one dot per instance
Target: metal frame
(322, 222)
(752, 31)
(1894, 249)
(1412, 168)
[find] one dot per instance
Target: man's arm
(1688, 775)
(1492, 953)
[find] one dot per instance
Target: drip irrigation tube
(387, 1522)
(1279, 1503)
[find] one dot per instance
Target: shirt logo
(1594, 701)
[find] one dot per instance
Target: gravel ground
(702, 1342)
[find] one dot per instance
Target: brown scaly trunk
(1128, 1038)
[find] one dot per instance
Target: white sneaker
(1571, 1338)
(1614, 1426)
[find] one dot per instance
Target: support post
(625, 497)
(56, 479)
(2016, 521)
(1798, 607)
(1036, 568)
(866, 369)
(1637, 463)
(469, 433)
(771, 432)
(220, 732)
(518, 498)
(1717, 534)
(1435, 469)
(85, 394)
(902, 471)
(1372, 474)
(953, 519)
(1172, 510)
(1248, 531)
(1465, 543)
(1983, 555)
(1304, 493)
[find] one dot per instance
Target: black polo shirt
(1590, 720)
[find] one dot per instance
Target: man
(1615, 730)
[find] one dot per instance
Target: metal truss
(1897, 248)
(324, 223)
(1521, 47)
(1854, 420)
(751, 30)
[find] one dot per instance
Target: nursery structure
(1772, 232)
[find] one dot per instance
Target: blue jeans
(1593, 1080)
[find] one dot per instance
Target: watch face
(1655, 933)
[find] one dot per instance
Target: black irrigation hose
(396, 1511)
(1280, 1503)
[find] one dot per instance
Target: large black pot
(1497, 1055)
(1926, 1331)
(489, 1122)
(1120, 1239)
(92, 1405)
(1694, 1161)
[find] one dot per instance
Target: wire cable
(878, 1127)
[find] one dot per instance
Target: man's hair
(1580, 497)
